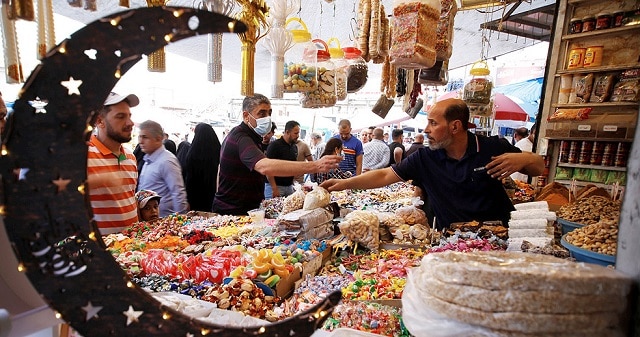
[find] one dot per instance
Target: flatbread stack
(518, 294)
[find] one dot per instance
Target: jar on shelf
(325, 93)
(588, 23)
(341, 66)
(478, 88)
(358, 71)
(575, 26)
(616, 19)
(603, 20)
(300, 60)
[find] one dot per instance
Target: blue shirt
(352, 148)
(162, 174)
(456, 192)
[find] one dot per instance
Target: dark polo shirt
(458, 193)
(280, 149)
(240, 188)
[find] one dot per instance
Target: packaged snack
(317, 198)
(582, 174)
(582, 85)
(564, 173)
(362, 227)
(569, 115)
(602, 86)
(293, 202)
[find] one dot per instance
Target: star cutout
(91, 311)
(72, 85)
(132, 315)
(61, 183)
(39, 105)
(91, 53)
(189, 334)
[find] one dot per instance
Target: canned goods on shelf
(564, 151)
(622, 153)
(608, 154)
(593, 56)
(574, 151)
(596, 153)
(585, 152)
(576, 58)
(603, 21)
(588, 23)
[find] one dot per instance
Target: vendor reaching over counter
(460, 172)
(243, 164)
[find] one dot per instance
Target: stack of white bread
(532, 222)
(499, 293)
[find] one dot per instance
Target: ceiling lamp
(477, 4)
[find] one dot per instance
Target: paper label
(610, 128)
(586, 127)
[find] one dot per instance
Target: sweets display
(413, 37)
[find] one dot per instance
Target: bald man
(417, 144)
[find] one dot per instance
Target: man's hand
(505, 164)
(327, 163)
(333, 185)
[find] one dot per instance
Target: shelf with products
(600, 69)
(595, 33)
(599, 167)
(596, 105)
(584, 183)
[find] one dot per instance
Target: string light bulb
(58, 315)
(92, 236)
(178, 13)
(89, 128)
(129, 284)
(204, 331)
(4, 151)
(262, 329)
(21, 267)
(2, 210)
(166, 315)
(81, 189)
(231, 26)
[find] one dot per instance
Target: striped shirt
(351, 148)
(114, 207)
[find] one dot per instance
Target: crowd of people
(232, 177)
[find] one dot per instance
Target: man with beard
(111, 168)
(352, 148)
(460, 172)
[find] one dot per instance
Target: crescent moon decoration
(43, 167)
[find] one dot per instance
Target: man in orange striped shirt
(111, 168)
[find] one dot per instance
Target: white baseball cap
(114, 98)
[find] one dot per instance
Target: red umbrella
(505, 107)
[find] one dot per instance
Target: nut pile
(591, 210)
(244, 296)
(362, 227)
(600, 237)
(325, 94)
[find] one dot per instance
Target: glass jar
(588, 23)
(341, 66)
(575, 26)
(603, 20)
(358, 71)
(300, 61)
(478, 88)
(616, 20)
(325, 93)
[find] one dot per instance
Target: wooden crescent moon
(44, 165)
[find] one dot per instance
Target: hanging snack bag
(413, 33)
(444, 33)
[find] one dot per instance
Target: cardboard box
(285, 287)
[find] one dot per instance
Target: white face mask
(263, 125)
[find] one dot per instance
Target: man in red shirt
(111, 168)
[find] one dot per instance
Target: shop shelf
(599, 32)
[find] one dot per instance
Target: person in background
(386, 137)
(283, 148)
(170, 146)
(3, 115)
(364, 136)
(112, 172)
(243, 163)
(459, 171)
(352, 148)
(181, 154)
(417, 144)
(201, 169)
(525, 145)
(333, 147)
(268, 138)
(304, 154)
(396, 147)
(317, 145)
(376, 152)
(519, 134)
(161, 171)
(148, 205)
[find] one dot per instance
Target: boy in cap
(148, 205)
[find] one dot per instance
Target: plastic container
(576, 58)
(478, 88)
(341, 66)
(413, 34)
(593, 56)
(568, 226)
(616, 20)
(358, 71)
(584, 255)
(300, 61)
(325, 93)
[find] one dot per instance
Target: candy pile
(469, 245)
(369, 317)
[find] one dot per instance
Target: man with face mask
(459, 171)
(112, 171)
(243, 164)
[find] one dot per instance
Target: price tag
(610, 128)
(585, 127)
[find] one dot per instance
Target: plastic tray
(568, 226)
(584, 255)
